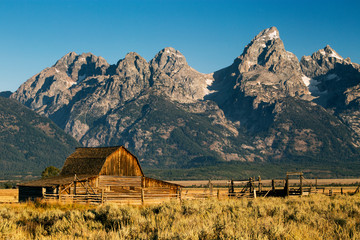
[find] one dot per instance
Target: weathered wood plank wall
(121, 163)
(119, 181)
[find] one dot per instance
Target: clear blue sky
(34, 34)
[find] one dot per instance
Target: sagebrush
(313, 217)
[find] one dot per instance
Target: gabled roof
(93, 152)
(89, 160)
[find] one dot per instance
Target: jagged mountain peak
(266, 71)
(268, 34)
(267, 51)
(71, 57)
(327, 56)
(172, 52)
(322, 61)
(63, 63)
(78, 67)
(333, 80)
(133, 64)
(131, 57)
(168, 60)
(328, 52)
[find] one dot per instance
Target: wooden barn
(100, 174)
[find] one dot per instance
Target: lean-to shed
(99, 174)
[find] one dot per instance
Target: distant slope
(5, 94)
(29, 142)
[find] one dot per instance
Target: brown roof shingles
(87, 160)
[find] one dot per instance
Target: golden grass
(312, 217)
(9, 195)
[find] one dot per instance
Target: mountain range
(266, 113)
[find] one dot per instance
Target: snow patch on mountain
(209, 82)
(273, 35)
(312, 85)
(335, 55)
(306, 80)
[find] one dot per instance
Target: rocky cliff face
(266, 71)
(335, 84)
(330, 78)
(174, 78)
(264, 107)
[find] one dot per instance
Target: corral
(202, 189)
(98, 175)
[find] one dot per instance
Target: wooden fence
(145, 195)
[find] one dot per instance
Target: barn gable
(121, 163)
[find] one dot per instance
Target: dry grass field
(9, 195)
(316, 216)
(311, 217)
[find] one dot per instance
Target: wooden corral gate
(253, 187)
(98, 175)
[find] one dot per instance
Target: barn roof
(93, 152)
(89, 160)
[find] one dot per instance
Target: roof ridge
(102, 147)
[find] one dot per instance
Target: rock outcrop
(266, 71)
(173, 77)
(335, 83)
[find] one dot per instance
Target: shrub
(313, 217)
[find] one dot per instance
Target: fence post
(301, 184)
(342, 191)
(210, 188)
(142, 196)
(102, 196)
(251, 185)
(254, 193)
(59, 193)
(260, 185)
(231, 190)
(287, 188)
(74, 187)
(218, 194)
(180, 197)
(178, 193)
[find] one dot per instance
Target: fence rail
(143, 196)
